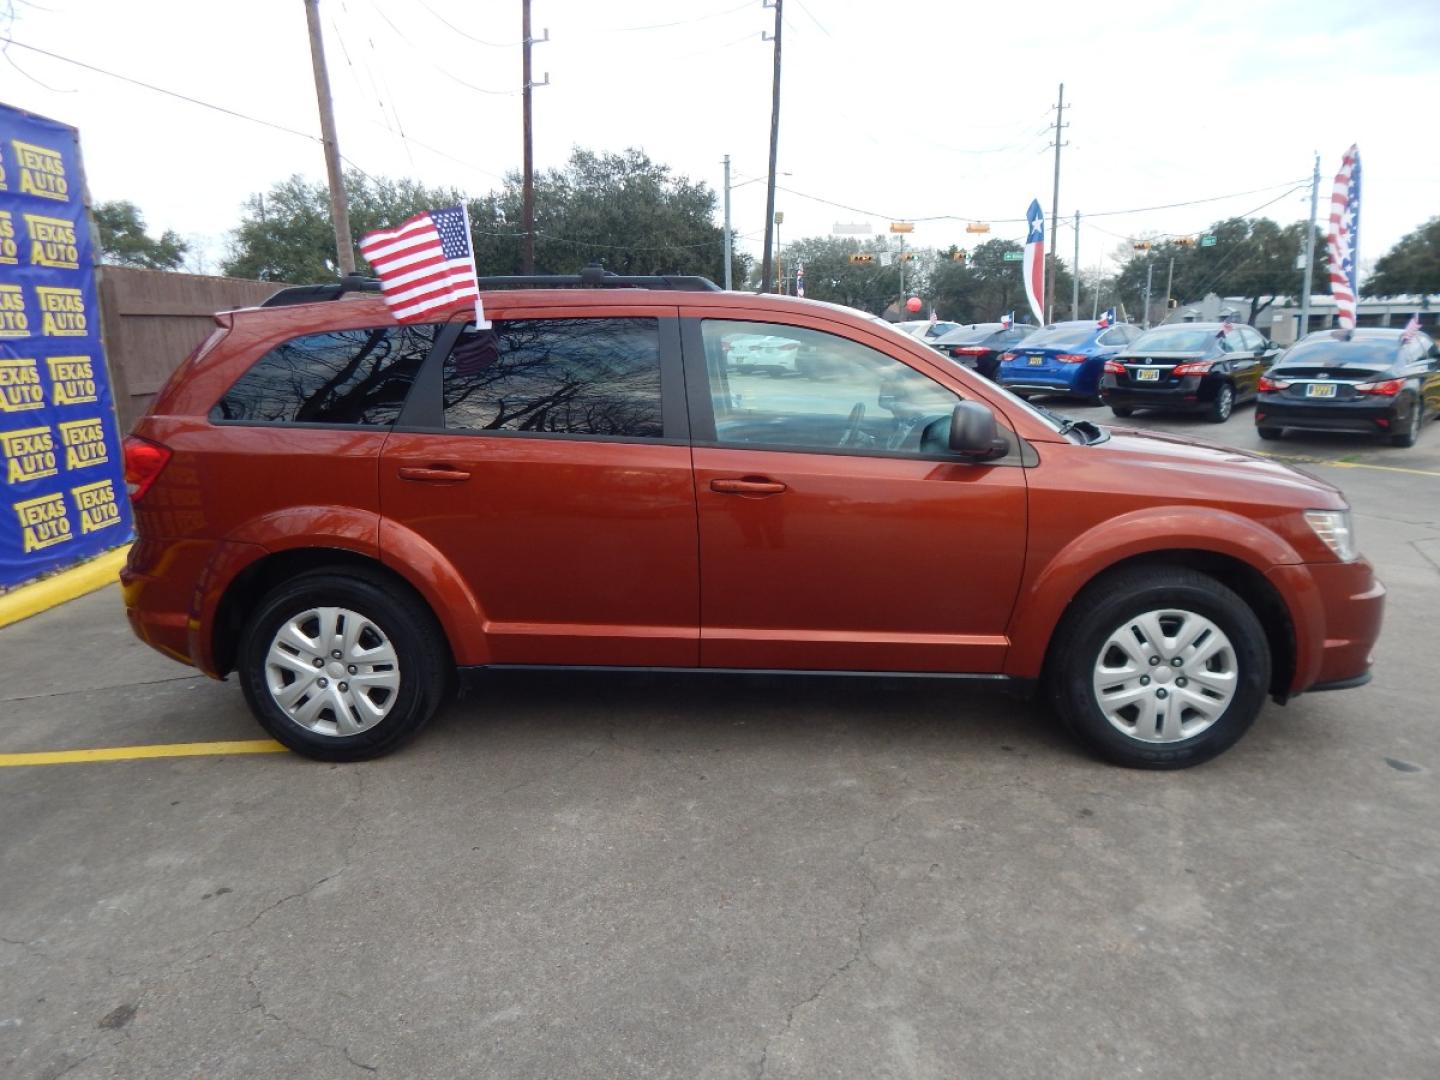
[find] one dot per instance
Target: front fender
(1050, 585)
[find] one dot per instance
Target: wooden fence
(152, 319)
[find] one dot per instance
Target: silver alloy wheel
(1226, 403)
(1165, 676)
(332, 671)
(1416, 411)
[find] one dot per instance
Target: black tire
(1105, 606)
(1122, 411)
(422, 655)
(1223, 406)
(1270, 432)
(1411, 433)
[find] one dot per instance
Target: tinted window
(339, 377)
(1060, 335)
(563, 376)
(840, 394)
(1365, 352)
(1252, 339)
(1175, 339)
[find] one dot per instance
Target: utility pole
(339, 205)
(902, 275)
(728, 240)
(765, 264)
(1059, 126)
(1075, 270)
(1304, 327)
(779, 254)
(1149, 272)
(527, 251)
(1169, 284)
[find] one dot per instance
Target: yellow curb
(135, 753)
(42, 595)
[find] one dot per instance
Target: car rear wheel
(1411, 432)
(1223, 405)
(1122, 411)
(342, 668)
(1270, 432)
(1160, 668)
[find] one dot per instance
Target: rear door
(1245, 364)
(836, 532)
(547, 460)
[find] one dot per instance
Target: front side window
(837, 394)
(557, 376)
(356, 377)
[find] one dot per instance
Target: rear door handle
(747, 487)
(436, 475)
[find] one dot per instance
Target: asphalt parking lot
(646, 877)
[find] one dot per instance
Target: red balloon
(913, 304)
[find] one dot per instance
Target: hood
(1179, 464)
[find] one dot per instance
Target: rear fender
(1049, 589)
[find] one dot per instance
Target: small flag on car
(424, 264)
(1411, 328)
(1107, 318)
(1227, 327)
(1007, 320)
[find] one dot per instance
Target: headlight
(1333, 527)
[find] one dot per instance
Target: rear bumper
(1337, 609)
(1361, 417)
(1020, 379)
(1194, 392)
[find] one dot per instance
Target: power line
(161, 90)
(677, 22)
(464, 34)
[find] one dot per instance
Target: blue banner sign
(63, 499)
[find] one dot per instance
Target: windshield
(1370, 352)
(1060, 335)
(1174, 339)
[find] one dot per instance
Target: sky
(926, 110)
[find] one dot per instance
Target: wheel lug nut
(344, 687)
(1161, 693)
(1181, 681)
(319, 662)
(1144, 680)
(322, 683)
(1175, 662)
(335, 653)
(352, 669)
(1154, 660)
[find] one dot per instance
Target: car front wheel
(1410, 432)
(1160, 668)
(342, 668)
(1223, 405)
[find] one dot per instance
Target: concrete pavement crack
(100, 689)
(266, 1014)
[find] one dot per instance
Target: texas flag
(1107, 318)
(1007, 320)
(1034, 265)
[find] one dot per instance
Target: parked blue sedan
(1064, 358)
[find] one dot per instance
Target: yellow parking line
(1334, 464)
(133, 753)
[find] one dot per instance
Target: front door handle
(747, 487)
(435, 475)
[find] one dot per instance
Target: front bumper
(1365, 418)
(1337, 609)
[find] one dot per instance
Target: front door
(836, 530)
(551, 468)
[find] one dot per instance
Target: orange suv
(344, 511)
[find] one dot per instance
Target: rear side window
(557, 376)
(357, 377)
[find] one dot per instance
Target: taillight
(1387, 388)
(1195, 367)
(1005, 358)
(1071, 358)
(1114, 367)
(968, 350)
(1268, 385)
(144, 461)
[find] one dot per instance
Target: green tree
(831, 276)
(1411, 266)
(124, 242)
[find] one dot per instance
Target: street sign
(1014, 256)
(1207, 241)
(902, 226)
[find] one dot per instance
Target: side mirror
(973, 433)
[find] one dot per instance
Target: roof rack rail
(593, 276)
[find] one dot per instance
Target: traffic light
(908, 256)
(863, 260)
(959, 256)
(1141, 245)
(1184, 241)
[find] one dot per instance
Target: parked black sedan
(1372, 381)
(979, 345)
(1190, 367)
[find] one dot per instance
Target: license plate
(1036, 361)
(1319, 389)
(1147, 374)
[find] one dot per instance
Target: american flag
(1034, 260)
(1226, 327)
(799, 279)
(1107, 318)
(425, 263)
(1344, 238)
(1411, 329)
